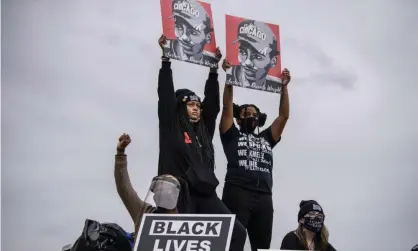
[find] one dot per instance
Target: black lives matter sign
(185, 232)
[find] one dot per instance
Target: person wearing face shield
(186, 129)
(248, 182)
(167, 194)
(311, 233)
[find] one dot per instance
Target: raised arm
(126, 192)
(166, 94)
(227, 119)
(211, 103)
(280, 122)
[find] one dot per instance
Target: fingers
(218, 53)
(225, 64)
(124, 137)
(286, 72)
(162, 39)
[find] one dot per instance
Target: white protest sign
(185, 232)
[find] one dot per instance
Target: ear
(208, 38)
(273, 62)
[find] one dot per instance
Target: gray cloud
(76, 74)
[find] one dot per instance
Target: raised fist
(124, 141)
(225, 64)
(286, 77)
(162, 41)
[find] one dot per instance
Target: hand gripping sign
(188, 26)
(185, 232)
(253, 49)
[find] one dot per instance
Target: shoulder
(290, 240)
(330, 247)
(230, 134)
(267, 135)
(291, 236)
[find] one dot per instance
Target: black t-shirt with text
(250, 158)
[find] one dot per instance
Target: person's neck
(309, 236)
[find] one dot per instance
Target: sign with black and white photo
(185, 232)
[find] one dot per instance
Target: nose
(185, 36)
(248, 62)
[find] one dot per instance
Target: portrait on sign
(184, 232)
(253, 49)
(188, 26)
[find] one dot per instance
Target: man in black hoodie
(186, 148)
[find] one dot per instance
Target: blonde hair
(321, 241)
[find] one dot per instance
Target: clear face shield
(163, 192)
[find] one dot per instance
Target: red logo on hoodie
(187, 138)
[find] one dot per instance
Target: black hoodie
(177, 156)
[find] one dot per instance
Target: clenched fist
(162, 41)
(225, 64)
(286, 77)
(124, 141)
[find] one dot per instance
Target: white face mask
(163, 193)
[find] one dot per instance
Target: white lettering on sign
(186, 228)
(187, 8)
(252, 30)
(182, 245)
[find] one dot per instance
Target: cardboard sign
(253, 49)
(188, 26)
(185, 232)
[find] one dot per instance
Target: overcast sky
(76, 74)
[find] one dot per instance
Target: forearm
(284, 106)
(124, 187)
(228, 96)
(227, 118)
(211, 103)
(165, 80)
(212, 100)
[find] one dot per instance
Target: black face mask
(247, 125)
(314, 224)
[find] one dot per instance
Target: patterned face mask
(314, 223)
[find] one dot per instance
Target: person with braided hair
(248, 182)
(186, 128)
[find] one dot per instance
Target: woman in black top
(311, 233)
(186, 130)
(248, 182)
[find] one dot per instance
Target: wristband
(120, 150)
